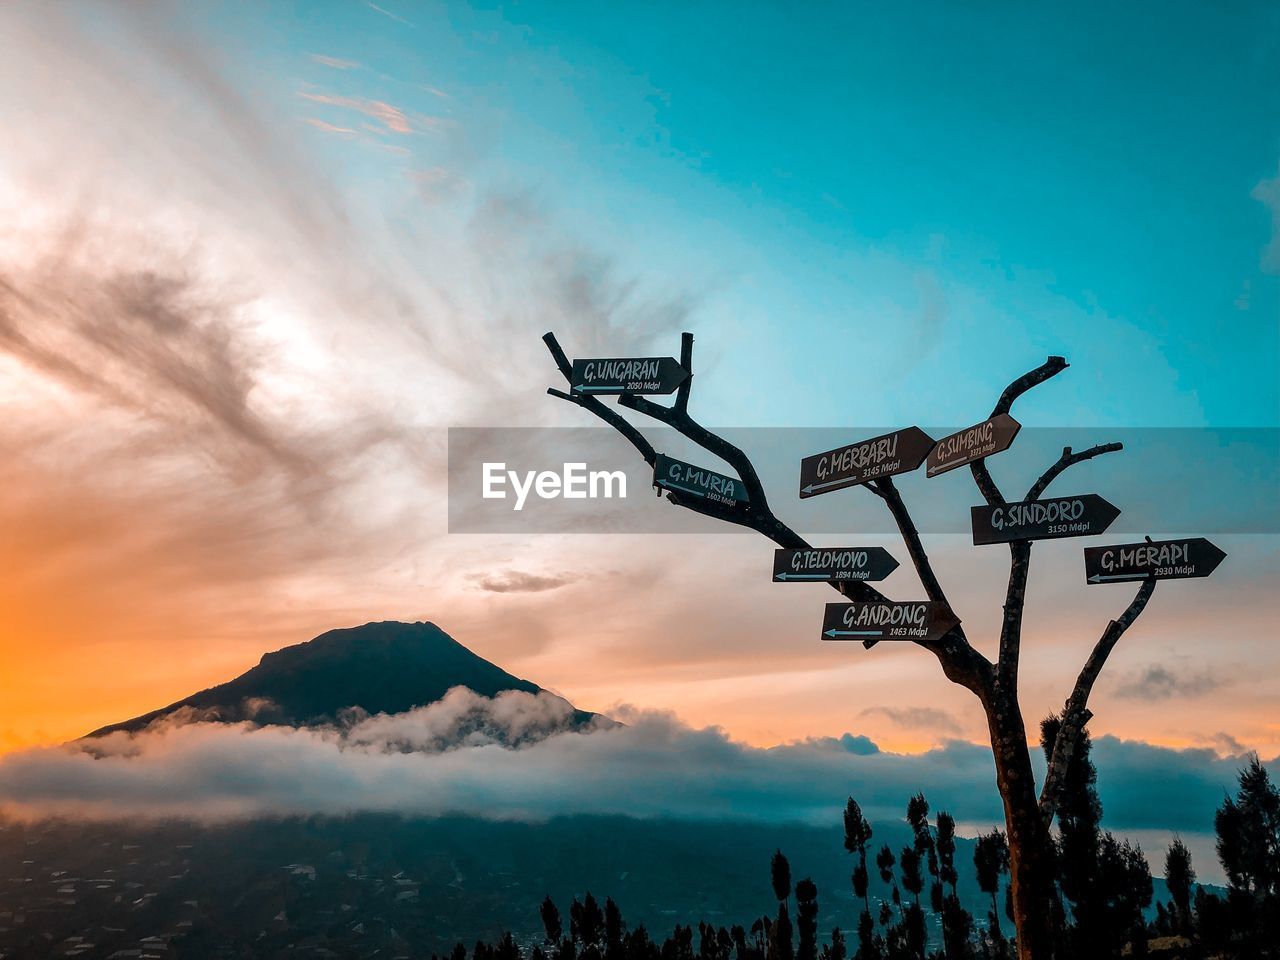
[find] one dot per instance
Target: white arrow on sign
(809, 488)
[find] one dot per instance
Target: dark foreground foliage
(1103, 884)
(386, 887)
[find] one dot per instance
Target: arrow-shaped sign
(642, 375)
(1157, 559)
(833, 563)
(1078, 516)
(672, 474)
(887, 620)
(899, 452)
(973, 443)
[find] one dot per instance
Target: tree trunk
(1030, 875)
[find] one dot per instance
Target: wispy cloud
(337, 63)
(387, 13)
(344, 132)
(917, 718)
(391, 117)
(1159, 682)
(516, 581)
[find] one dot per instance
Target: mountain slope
(386, 667)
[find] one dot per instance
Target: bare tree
(1028, 814)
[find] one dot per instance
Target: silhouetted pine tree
(957, 929)
(614, 930)
(1213, 923)
(1179, 877)
(679, 946)
(991, 860)
(885, 862)
(1248, 827)
(807, 919)
(1107, 882)
(586, 921)
(1126, 889)
(507, 948)
(551, 923)
(1077, 847)
(780, 876)
(760, 934)
(713, 943)
(924, 847)
(957, 924)
(857, 834)
(871, 945)
(909, 865)
(837, 949)
(780, 946)
(946, 827)
(637, 945)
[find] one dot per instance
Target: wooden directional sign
(823, 564)
(872, 622)
(672, 474)
(973, 443)
(1160, 559)
(899, 452)
(1078, 516)
(651, 375)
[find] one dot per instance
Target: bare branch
(1050, 368)
(888, 492)
(1068, 459)
(686, 361)
(986, 486)
(1015, 602)
(961, 663)
(593, 404)
(562, 362)
(1019, 567)
(981, 476)
(684, 424)
(1019, 551)
(1076, 712)
(756, 515)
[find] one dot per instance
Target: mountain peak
(376, 636)
(378, 667)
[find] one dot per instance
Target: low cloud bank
(513, 758)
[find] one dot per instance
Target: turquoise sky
(868, 195)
